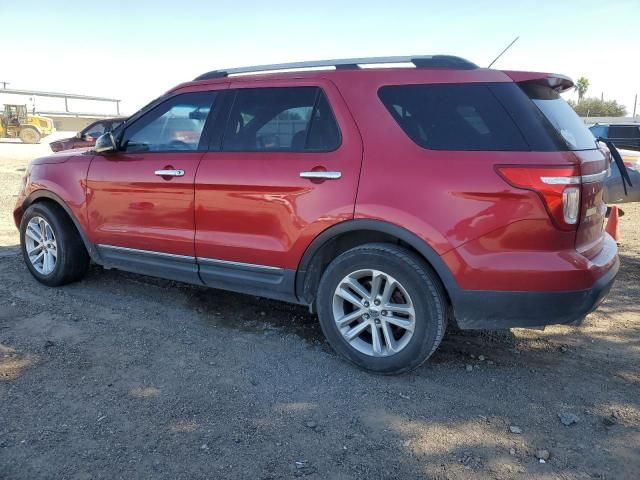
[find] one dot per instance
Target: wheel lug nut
(377, 302)
(366, 316)
(383, 313)
(366, 304)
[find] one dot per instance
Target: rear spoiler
(560, 83)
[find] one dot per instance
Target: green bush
(594, 107)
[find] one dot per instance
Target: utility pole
(4, 84)
(635, 102)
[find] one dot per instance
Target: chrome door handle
(170, 173)
(321, 175)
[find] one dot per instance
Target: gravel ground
(125, 376)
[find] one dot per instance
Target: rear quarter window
(453, 117)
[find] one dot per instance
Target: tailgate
(594, 165)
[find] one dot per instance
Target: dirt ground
(123, 376)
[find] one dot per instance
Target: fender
(37, 128)
(380, 226)
(39, 194)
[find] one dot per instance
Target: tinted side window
(175, 124)
(281, 119)
(324, 134)
(623, 131)
(453, 117)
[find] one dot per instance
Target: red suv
(389, 200)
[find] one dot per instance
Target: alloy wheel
(374, 313)
(41, 246)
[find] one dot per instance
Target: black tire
(420, 282)
(29, 135)
(72, 258)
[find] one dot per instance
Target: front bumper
(483, 309)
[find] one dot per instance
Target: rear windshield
(565, 120)
(485, 117)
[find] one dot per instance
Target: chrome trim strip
(595, 177)
(146, 252)
(206, 261)
(561, 180)
(214, 261)
(591, 178)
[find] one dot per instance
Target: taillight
(558, 187)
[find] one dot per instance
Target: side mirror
(79, 135)
(105, 143)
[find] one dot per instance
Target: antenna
(502, 52)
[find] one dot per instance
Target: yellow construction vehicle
(15, 123)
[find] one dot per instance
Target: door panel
(254, 207)
(130, 206)
(141, 197)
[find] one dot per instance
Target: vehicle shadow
(254, 314)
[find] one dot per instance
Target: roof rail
(420, 61)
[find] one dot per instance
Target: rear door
(286, 168)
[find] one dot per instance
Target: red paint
(254, 207)
(63, 175)
(130, 206)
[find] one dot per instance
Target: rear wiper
(624, 174)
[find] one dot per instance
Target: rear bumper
(485, 309)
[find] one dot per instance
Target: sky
(136, 50)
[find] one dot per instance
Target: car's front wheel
(51, 246)
(382, 307)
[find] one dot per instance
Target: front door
(287, 167)
(140, 199)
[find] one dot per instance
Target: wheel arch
(348, 234)
(40, 196)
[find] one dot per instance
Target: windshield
(560, 114)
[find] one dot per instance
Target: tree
(582, 85)
(594, 107)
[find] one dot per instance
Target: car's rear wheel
(29, 135)
(51, 246)
(382, 307)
